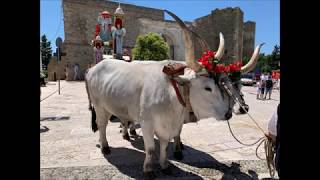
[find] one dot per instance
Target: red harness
(174, 84)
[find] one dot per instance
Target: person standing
(263, 87)
(277, 158)
(269, 87)
(258, 89)
(274, 134)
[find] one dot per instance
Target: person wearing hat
(118, 32)
(98, 49)
(103, 28)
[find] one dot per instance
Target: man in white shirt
(272, 126)
(274, 133)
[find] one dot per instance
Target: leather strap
(174, 84)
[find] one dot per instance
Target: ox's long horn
(189, 53)
(253, 61)
(220, 51)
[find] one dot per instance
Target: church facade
(80, 19)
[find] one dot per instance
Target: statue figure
(103, 29)
(76, 70)
(98, 49)
(118, 32)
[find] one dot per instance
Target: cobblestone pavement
(69, 149)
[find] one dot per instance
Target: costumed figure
(76, 70)
(118, 32)
(98, 49)
(103, 29)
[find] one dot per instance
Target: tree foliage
(46, 52)
(267, 63)
(150, 47)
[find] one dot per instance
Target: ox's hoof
(167, 171)
(148, 175)
(181, 146)
(126, 137)
(178, 155)
(105, 150)
(133, 132)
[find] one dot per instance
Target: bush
(150, 47)
(44, 74)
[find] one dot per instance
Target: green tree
(275, 57)
(267, 63)
(245, 60)
(266, 68)
(46, 52)
(150, 47)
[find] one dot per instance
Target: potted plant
(42, 80)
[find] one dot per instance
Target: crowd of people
(265, 86)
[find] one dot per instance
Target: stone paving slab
(69, 147)
(249, 170)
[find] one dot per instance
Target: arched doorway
(170, 44)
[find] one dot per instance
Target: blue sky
(266, 14)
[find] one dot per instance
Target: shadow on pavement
(199, 159)
(130, 162)
(53, 118)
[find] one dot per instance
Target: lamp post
(58, 54)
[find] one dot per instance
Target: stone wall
(229, 21)
(249, 30)
(80, 19)
(204, 27)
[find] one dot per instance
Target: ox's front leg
(148, 139)
(177, 148)
(102, 121)
(163, 156)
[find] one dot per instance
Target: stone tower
(229, 21)
(248, 38)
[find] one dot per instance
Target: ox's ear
(187, 76)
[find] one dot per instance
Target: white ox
(141, 92)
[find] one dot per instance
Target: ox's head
(211, 95)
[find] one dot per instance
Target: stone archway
(170, 43)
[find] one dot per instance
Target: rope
(51, 94)
(269, 146)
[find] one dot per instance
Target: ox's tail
(91, 108)
(93, 120)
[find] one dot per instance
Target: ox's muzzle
(234, 93)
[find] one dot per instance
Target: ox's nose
(228, 115)
(245, 110)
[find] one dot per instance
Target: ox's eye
(208, 89)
